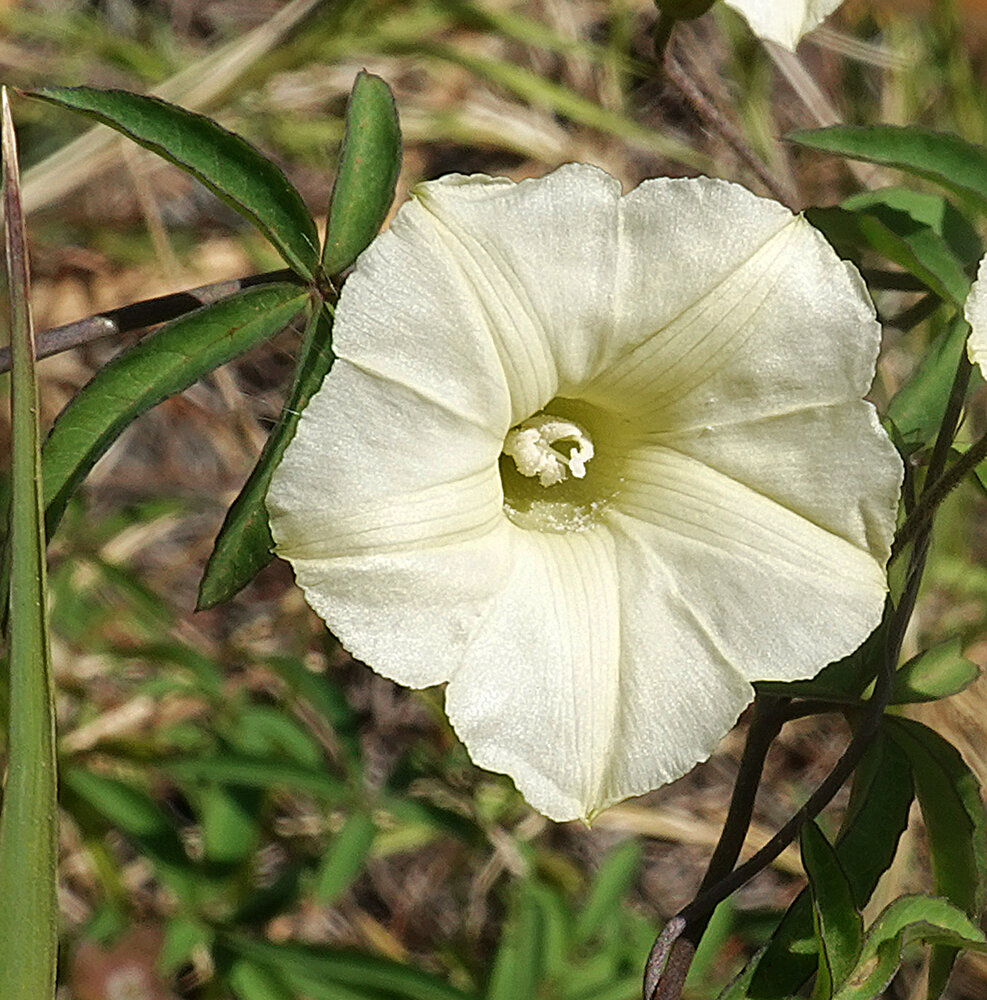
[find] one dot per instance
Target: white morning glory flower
(976, 316)
(598, 462)
(783, 21)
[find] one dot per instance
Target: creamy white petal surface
(783, 21)
(598, 634)
(976, 316)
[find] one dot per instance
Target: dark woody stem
(139, 315)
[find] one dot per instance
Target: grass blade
(228, 165)
(28, 825)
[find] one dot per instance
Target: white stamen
(530, 445)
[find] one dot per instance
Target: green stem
(938, 485)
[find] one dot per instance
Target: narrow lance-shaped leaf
(244, 545)
(227, 164)
(616, 874)
(917, 408)
(935, 673)
(153, 369)
(900, 239)
(955, 822)
(307, 968)
(369, 164)
(907, 919)
(838, 924)
(345, 857)
(28, 824)
(931, 210)
(956, 164)
(880, 800)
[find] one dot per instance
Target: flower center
(549, 448)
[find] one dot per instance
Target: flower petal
(679, 693)
(777, 594)
(537, 691)
(729, 320)
(539, 258)
(783, 21)
(851, 492)
(389, 506)
(976, 316)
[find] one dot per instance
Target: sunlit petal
(550, 729)
(749, 567)
(976, 316)
(784, 21)
(598, 462)
(748, 334)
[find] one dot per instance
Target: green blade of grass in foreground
(28, 824)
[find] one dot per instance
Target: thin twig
(939, 483)
(140, 315)
(726, 130)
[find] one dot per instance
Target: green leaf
(906, 920)
(956, 164)
(153, 369)
(244, 543)
(955, 822)
(229, 820)
(183, 935)
(138, 817)
(369, 164)
(252, 772)
(556, 930)
(229, 166)
(929, 210)
(897, 236)
(29, 822)
(265, 731)
(345, 858)
(918, 407)
(317, 971)
(877, 815)
(519, 964)
(252, 982)
(937, 673)
(838, 924)
(613, 880)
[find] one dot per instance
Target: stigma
(550, 448)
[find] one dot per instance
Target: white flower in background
(598, 462)
(783, 21)
(976, 316)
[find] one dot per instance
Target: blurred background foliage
(246, 811)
